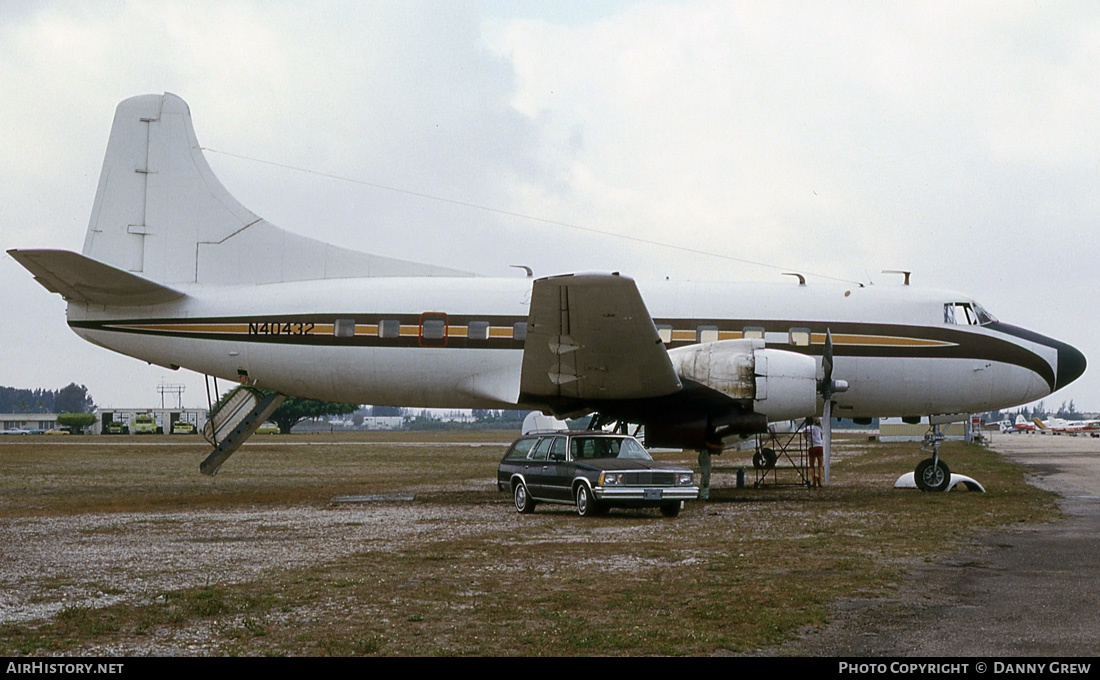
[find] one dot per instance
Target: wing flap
(79, 278)
(590, 337)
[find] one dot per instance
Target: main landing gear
(932, 474)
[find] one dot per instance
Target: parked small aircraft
(176, 272)
(1021, 424)
(1074, 427)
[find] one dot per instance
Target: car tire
(587, 505)
(525, 505)
(671, 509)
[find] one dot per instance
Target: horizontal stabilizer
(78, 278)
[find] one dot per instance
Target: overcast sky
(957, 140)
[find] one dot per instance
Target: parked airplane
(1020, 425)
(1074, 427)
(176, 272)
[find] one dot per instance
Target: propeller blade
(827, 365)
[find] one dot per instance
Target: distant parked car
(268, 428)
(592, 471)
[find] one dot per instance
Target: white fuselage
(370, 340)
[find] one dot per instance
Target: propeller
(827, 387)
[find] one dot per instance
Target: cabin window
(519, 330)
(433, 329)
(478, 330)
(800, 337)
(753, 333)
(706, 334)
(665, 332)
(389, 328)
(344, 328)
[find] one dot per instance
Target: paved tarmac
(1028, 592)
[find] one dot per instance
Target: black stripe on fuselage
(951, 342)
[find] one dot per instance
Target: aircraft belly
(218, 358)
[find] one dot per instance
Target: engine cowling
(779, 384)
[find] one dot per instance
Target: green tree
(76, 422)
(73, 398)
(295, 410)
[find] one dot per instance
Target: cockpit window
(966, 314)
(984, 317)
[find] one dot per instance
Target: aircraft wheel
(525, 505)
(764, 459)
(672, 509)
(932, 477)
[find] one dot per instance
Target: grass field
(119, 546)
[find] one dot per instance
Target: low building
(126, 419)
(27, 423)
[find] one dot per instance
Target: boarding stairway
(234, 420)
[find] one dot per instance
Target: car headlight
(611, 478)
(685, 479)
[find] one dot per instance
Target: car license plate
(653, 494)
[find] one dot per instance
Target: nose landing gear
(932, 474)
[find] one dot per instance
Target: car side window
(557, 451)
(540, 451)
(521, 448)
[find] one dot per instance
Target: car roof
(575, 433)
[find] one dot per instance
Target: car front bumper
(646, 493)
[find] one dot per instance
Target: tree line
(72, 398)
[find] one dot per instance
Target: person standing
(816, 443)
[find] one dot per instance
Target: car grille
(649, 478)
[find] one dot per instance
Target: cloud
(956, 140)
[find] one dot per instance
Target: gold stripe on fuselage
(677, 335)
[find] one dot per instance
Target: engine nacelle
(779, 384)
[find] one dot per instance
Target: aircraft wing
(590, 337)
(79, 278)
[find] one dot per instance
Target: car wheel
(672, 509)
(587, 506)
(930, 476)
(525, 505)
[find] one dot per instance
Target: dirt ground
(1034, 591)
(1031, 591)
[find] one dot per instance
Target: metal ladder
(238, 416)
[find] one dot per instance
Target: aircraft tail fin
(78, 278)
(162, 213)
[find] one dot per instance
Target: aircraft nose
(1071, 364)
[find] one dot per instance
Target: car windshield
(584, 448)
